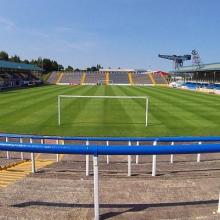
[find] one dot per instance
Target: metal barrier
(129, 140)
(108, 149)
(132, 139)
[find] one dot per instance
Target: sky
(113, 33)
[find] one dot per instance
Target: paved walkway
(183, 190)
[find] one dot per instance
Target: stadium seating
(53, 77)
(17, 74)
(23, 76)
(119, 78)
(33, 77)
(141, 79)
(72, 78)
(94, 77)
(158, 78)
(16, 79)
(196, 85)
(1, 81)
(7, 80)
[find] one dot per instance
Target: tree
(47, 65)
(26, 61)
(54, 65)
(69, 68)
(77, 70)
(40, 62)
(15, 58)
(60, 67)
(98, 66)
(3, 55)
(93, 69)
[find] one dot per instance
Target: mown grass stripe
(191, 109)
(163, 112)
(172, 112)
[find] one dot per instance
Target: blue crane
(177, 60)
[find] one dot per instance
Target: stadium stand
(33, 76)
(9, 80)
(208, 77)
(53, 77)
(119, 78)
(159, 78)
(94, 77)
(24, 76)
(205, 73)
(60, 76)
(1, 81)
(130, 78)
(141, 79)
(72, 78)
(14, 74)
(201, 85)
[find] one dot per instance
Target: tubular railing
(133, 139)
(129, 140)
(134, 146)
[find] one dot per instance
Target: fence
(141, 146)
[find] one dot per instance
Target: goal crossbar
(105, 97)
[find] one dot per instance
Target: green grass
(172, 112)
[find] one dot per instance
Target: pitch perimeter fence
(122, 146)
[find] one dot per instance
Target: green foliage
(3, 55)
(69, 68)
(54, 65)
(15, 58)
(26, 61)
(47, 64)
(99, 67)
(94, 68)
(60, 67)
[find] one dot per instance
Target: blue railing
(111, 149)
(118, 139)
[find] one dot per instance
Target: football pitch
(172, 112)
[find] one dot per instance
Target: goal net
(108, 110)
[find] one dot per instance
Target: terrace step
(11, 174)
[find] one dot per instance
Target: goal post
(60, 97)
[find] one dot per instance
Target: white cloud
(63, 29)
(68, 45)
(36, 33)
(7, 24)
(81, 45)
